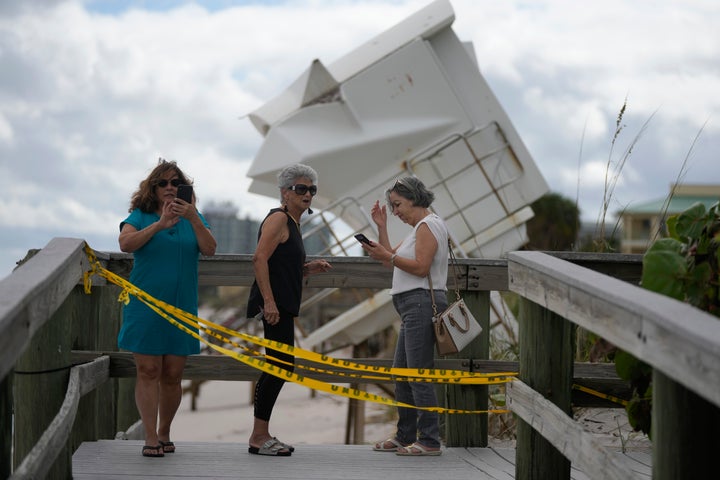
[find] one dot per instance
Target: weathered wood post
(7, 412)
(6, 386)
(355, 423)
(126, 413)
(95, 329)
(41, 379)
(546, 345)
(470, 430)
(685, 430)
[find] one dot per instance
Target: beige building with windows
(644, 223)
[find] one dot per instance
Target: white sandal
(380, 446)
(417, 450)
(272, 447)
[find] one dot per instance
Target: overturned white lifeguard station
(411, 101)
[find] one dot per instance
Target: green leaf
(666, 245)
(698, 285)
(664, 271)
(672, 226)
(640, 415)
(690, 223)
(628, 367)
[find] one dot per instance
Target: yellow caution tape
(617, 400)
(368, 372)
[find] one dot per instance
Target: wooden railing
(47, 323)
(680, 343)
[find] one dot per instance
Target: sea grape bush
(683, 266)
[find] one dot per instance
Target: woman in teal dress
(166, 235)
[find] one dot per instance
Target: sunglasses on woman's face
(301, 189)
(163, 183)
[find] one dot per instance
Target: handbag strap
(432, 296)
(453, 260)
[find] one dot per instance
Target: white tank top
(403, 281)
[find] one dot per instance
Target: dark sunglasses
(174, 182)
(301, 189)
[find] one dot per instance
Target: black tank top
(286, 272)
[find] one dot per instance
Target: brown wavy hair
(144, 197)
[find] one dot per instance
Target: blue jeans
(416, 349)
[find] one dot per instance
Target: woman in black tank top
(275, 296)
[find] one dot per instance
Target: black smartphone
(185, 192)
(362, 238)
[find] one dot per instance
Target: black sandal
(153, 451)
(167, 447)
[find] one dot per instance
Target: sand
(224, 414)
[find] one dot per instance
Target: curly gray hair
(288, 175)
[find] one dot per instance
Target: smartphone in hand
(362, 238)
(185, 192)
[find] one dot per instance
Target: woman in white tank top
(423, 252)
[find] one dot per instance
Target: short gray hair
(413, 189)
(287, 176)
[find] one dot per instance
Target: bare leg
(260, 433)
(268, 386)
(170, 394)
(147, 394)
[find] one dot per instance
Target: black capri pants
(268, 386)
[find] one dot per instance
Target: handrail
(680, 343)
(674, 338)
(34, 291)
(671, 336)
(83, 379)
(565, 434)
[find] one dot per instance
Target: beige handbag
(456, 327)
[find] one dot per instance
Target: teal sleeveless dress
(166, 267)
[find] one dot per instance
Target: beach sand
(225, 414)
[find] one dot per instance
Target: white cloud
(6, 130)
(90, 99)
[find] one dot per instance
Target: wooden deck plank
(641, 463)
(121, 460)
(491, 462)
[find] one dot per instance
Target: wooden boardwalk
(121, 460)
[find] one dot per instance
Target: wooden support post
(547, 346)
(127, 412)
(95, 328)
(109, 320)
(41, 380)
(470, 430)
(351, 421)
(685, 428)
(355, 423)
(6, 414)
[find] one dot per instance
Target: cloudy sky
(92, 92)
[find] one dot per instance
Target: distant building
(233, 235)
(644, 223)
